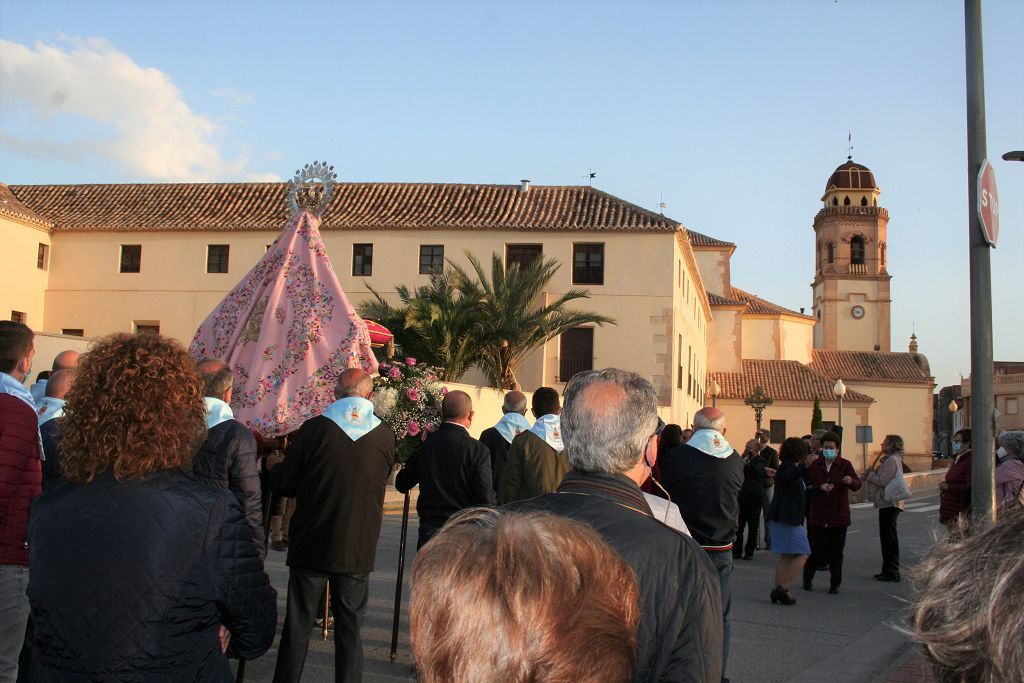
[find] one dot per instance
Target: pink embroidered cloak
(287, 330)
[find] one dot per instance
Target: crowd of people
(135, 528)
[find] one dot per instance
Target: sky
(734, 114)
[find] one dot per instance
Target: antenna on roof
(591, 174)
(661, 202)
(849, 145)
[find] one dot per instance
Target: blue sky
(735, 113)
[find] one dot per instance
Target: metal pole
(398, 583)
(327, 610)
(840, 410)
(982, 405)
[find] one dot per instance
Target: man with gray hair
(498, 437)
(610, 431)
(704, 477)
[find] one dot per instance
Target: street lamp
(839, 389)
(758, 401)
(713, 391)
(953, 408)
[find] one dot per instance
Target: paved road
(835, 638)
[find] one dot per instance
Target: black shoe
(808, 586)
(748, 557)
(833, 590)
(780, 594)
(889, 578)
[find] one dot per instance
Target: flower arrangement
(408, 398)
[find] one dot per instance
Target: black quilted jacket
(132, 580)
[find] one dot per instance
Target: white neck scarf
(217, 411)
(511, 424)
(549, 428)
(50, 408)
(9, 385)
(354, 415)
(711, 442)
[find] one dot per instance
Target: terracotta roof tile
(385, 206)
(783, 380)
(756, 304)
(700, 240)
(719, 300)
(12, 207)
(869, 366)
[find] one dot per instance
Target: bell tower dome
(851, 283)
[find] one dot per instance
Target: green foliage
(816, 422)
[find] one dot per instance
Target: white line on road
(927, 508)
(861, 506)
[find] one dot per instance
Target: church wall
(797, 339)
(760, 338)
(714, 269)
(854, 334)
(725, 341)
(900, 409)
(739, 418)
(22, 283)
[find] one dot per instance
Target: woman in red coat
(955, 496)
(830, 479)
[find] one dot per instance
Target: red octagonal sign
(988, 203)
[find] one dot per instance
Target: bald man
(453, 470)
(52, 404)
(704, 477)
(500, 436)
(65, 360)
(336, 469)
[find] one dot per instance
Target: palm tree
(438, 324)
(513, 323)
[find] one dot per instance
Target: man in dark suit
(498, 437)
(453, 470)
(771, 458)
(336, 468)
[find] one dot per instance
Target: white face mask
(1001, 453)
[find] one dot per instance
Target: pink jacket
(1009, 478)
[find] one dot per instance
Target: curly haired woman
(140, 571)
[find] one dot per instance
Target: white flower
(384, 401)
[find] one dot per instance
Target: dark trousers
(890, 540)
(723, 565)
(766, 504)
(750, 518)
(827, 544)
(348, 601)
(425, 532)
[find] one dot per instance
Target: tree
(816, 422)
(513, 320)
(438, 324)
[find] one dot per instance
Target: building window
(43, 257)
(881, 251)
(362, 259)
(217, 258)
(777, 430)
(588, 264)
(679, 367)
(863, 201)
(577, 352)
(147, 326)
(846, 201)
(131, 258)
(857, 250)
(523, 254)
(19, 317)
(831, 252)
(835, 201)
(689, 371)
(431, 258)
(1011, 406)
(72, 331)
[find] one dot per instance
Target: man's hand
(943, 486)
(275, 458)
(827, 488)
(225, 638)
(847, 480)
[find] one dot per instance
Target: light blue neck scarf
(50, 408)
(354, 415)
(9, 385)
(549, 428)
(217, 411)
(511, 424)
(711, 442)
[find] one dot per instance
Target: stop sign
(988, 203)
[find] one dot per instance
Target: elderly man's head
(515, 402)
(457, 406)
(608, 420)
(65, 360)
(217, 378)
(353, 382)
(709, 418)
(59, 383)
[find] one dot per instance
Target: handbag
(896, 490)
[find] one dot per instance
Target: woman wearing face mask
(1010, 472)
(830, 479)
(955, 496)
(885, 467)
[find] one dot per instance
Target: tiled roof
(756, 304)
(719, 300)
(869, 366)
(391, 206)
(10, 206)
(783, 380)
(700, 240)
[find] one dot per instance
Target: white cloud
(143, 121)
(235, 96)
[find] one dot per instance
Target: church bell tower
(851, 283)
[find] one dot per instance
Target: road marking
(861, 506)
(927, 508)
(911, 506)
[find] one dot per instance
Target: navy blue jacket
(132, 580)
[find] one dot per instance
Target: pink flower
(431, 428)
(410, 362)
(423, 436)
(394, 373)
(413, 395)
(413, 428)
(444, 390)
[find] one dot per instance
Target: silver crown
(312, 188)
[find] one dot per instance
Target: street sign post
(988, 203)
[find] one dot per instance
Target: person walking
(499, 437)
(888, 465)
(536, 461)
(786, 517)
(829, 479)
(955, 488)
(755, 470)
(1010, 470)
